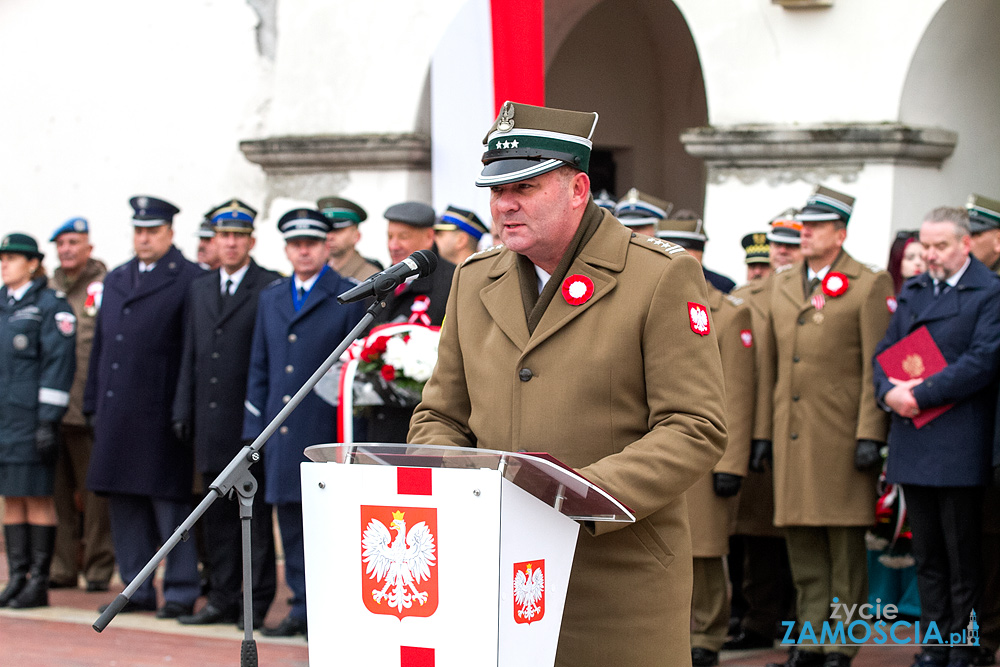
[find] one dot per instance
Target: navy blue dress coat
(132, 380)
(213, 376)
(287, 348)
(955, 449)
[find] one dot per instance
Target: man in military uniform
(345, 219)
(641, 212)
(83, 536)
(762, 575)
(208, 254)
(825, 318)
(420, 301)
(690, 235)
(137, 462)
(712, 501)
(457, 234)
(208, 412)
(642, 419)
(299, 323)
(984, 220)
(758, 256)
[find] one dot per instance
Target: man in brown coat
(580, 338)
(81, 546)
(826, 316)
(345, 220)
(766, 585)
(712, 501)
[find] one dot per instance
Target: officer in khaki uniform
(984, 219)
(712, 501)
(826, 317)
(641, 212)
(766, 585)
(345, 218)
(602, 351)
(86, 532)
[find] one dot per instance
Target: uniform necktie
(226, 292)
(302, 293)
(940, 288)
(813, 284)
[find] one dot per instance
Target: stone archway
(635, 63)
(953, 82)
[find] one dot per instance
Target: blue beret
(152, 212)
(78, 225)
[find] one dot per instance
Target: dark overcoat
(390, 423)
(132, 380)
(956, 448)
(37, 360)
(214, 365)
(287, 349)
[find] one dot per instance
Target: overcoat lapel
(163, 274)
(936, 308)
(599, 260)
(502, 299)
(320, 292)
(242, 293)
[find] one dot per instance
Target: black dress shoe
(289, 627)
(836, 660)
(97, 586)
(208, 615)
(702, 657)
(748, 639)
(130, 607)
(174, 610)
(800, 658)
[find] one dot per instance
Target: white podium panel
(419, 567)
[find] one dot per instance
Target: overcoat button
(289, 369)
(286, 398)
(795, 436)
(283, 430)
(292, 338)
(213, 405)
(110, 394)
(218, 332)
(795, 397)
(126, 311)
(795, 359)
(213, 380)
(119, 338)
(525, 374)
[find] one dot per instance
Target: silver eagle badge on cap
(505, 123)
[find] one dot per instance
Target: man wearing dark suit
(299, 323)
(136, 461)
(208, 411)
(421, 301)
(944, 466)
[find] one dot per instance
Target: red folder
(915, 356)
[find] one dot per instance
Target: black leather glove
(866, 455)
(47, 442)
(725, 485)
(182, 431)
(760, 451)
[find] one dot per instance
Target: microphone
(421, 263)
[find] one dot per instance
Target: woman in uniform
(37, 361)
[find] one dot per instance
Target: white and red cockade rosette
(835, 284)
(388, 367)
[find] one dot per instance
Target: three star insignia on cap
(505, 144)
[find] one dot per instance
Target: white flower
(414, 358)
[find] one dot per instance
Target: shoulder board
(276, 281)
(782, 269)
(488, 252)
(665, 247)
(735, 300)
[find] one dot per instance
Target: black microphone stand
(237, 476)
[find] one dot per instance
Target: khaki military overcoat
(621, 388)
(713, 518)
(824, 398)
(755, 515)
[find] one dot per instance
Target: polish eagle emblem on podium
(399, 563)
(529, 591)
